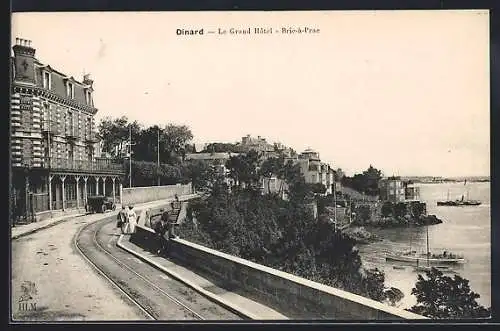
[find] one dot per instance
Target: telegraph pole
(158, 156)
(130, 154)
(335, 204)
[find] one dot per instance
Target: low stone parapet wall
(136, 195)
(293, 296)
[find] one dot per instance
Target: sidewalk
(228, 299)
(26, 229)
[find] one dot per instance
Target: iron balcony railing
(70, 131)
(97, 165)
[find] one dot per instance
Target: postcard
(221, 166)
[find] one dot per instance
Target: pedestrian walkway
(235, 302)
(26, 229)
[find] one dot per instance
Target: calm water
(465, 230)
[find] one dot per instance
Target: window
(71, 152)
(70, 90)
(89, 126)
(88, 97)
(46, 116)
(70, 123)
(89, 153)
(47, 83)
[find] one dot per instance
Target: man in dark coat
(121, 217)
(160, 228)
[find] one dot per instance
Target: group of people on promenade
(127, 220)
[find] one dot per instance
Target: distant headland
(437, 180)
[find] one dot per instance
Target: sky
(405, 91)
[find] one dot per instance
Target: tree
(318, 188)
(372, 177)
(298, 189)
(366, 182)
(243, 168)
(146, 146)
(200, 174)
(114, 133)
(440, 296)
(373, 285)
(146, 173)
(393, 295)
(289, 173)
(281, 234)
(222, 148)
(173, 141)
(271, 167)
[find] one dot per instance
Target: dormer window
(88, 97)
(47, 81)
(70, 90)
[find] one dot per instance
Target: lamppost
(130, 144)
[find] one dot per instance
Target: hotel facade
(54, 149)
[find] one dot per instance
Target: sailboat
(412, 256)
(428, 267)
(457, 202)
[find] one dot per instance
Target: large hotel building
(55, 160)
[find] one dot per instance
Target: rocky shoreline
(393, 222)
(361, 235)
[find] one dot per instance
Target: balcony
(99, 165)
(71, 132)
(51, 127)
(91, 138)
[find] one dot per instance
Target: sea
(465, 230)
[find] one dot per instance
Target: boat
(414, 257)
(428, 267)
(459, 202)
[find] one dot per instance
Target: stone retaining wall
(293, 296)
(136, 195)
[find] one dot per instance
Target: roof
(59, 81)
(309, 150)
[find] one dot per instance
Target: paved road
(69, 288)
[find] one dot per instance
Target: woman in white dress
(132, 220)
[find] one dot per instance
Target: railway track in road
(156, 295)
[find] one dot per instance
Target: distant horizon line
(446, 177)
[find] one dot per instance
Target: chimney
(87, 80)
(24, 59)
(23, 47)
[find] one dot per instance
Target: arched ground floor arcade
(34, 192)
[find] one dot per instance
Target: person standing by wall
(121, 218)
(160, 228)
(131, 220)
